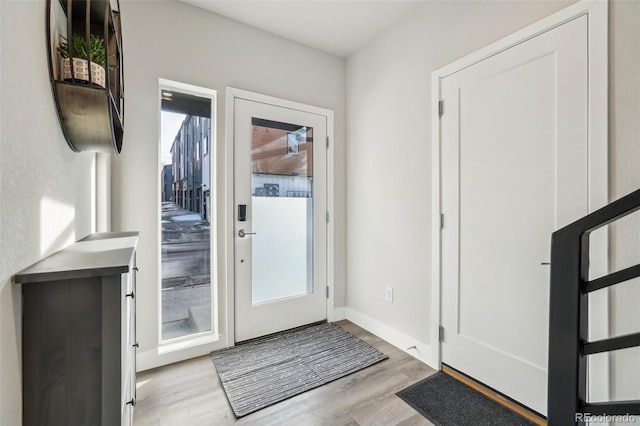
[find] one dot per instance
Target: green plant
(79, 49)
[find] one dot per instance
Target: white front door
(280, 194)
(514, 169)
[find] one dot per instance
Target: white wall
(624, 151)
(389, 158)
(46, 190)
(176, 41)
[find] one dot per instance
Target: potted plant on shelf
(96, 57)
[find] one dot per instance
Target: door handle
(241, 233)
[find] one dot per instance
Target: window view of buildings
(186, 226)
(281, 159)
(186, 179)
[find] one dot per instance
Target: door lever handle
(241, 233)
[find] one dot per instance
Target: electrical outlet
(388, 294)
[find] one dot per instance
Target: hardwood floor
(189, 393)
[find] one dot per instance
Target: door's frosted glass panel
(282, 210)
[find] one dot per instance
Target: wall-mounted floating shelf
(89, 94)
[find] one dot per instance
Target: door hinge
(327, 142)
(441, 221)
(440, 108)
(327, 217)
(441, 333)
(327, 292)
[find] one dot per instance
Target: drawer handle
(131, 295)
(132, 402)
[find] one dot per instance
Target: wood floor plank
(190, 393)
(416, 420)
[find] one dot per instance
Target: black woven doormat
(446, 401)
(262, 372)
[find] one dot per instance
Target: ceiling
(338, 27)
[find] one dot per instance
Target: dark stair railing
(569, 343)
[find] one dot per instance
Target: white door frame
(597, 13)
(231, 95)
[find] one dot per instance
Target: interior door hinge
(327, 142)
(441, 333)
(327, 292)
(441, 221)
(440, 108)
(327, 217)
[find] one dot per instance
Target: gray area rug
(262, 372)
(447, 402)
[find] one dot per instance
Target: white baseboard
(338, 314)
(402, 341)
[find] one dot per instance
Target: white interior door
(280, 193)
(514, 169)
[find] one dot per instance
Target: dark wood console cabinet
(79, 333)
